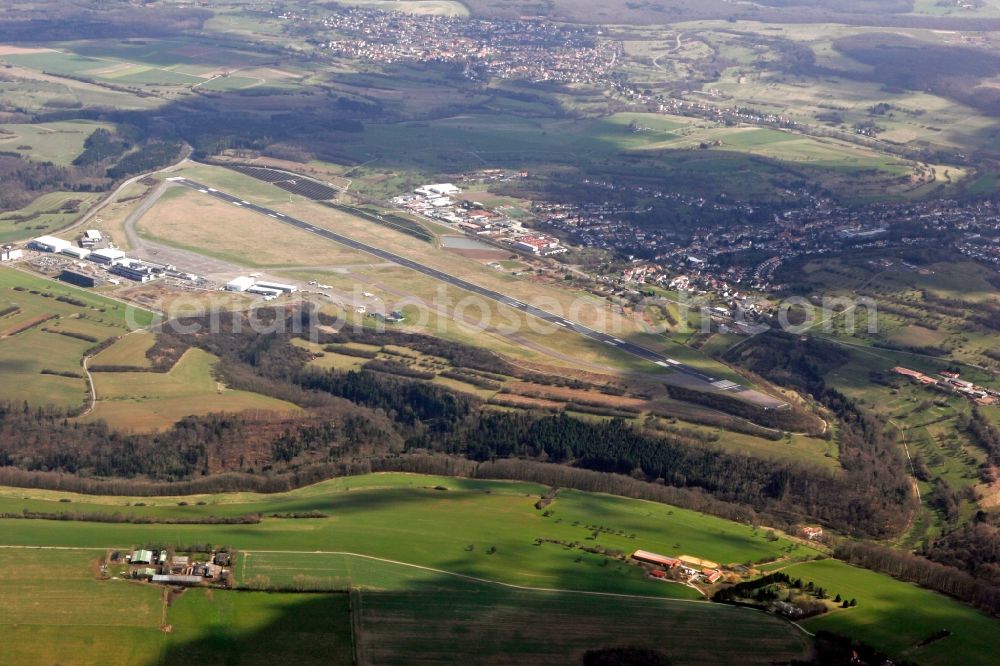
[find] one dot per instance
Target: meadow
(188, 220)
(745, 162)
(58, 142)
(44, 215)
(139, 63)
(406, 518)
(54, 608)
(767, 66)
(428, 574)
(23, 355)
(897, 616)
(86, 619)
(129, 350)
(493, 626)
(145, 401)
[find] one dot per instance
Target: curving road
(597, 336)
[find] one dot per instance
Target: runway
(597, 336)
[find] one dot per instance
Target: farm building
(142, 556)
(10, 254)
(812, 533)
(653, 558)
(241, 283)
(177, 579)
(145, 572)
(711, 576)
(49, 244)
(78, 279)
(107, 256)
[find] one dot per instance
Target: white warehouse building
(49, 244)
(107, 256)
(438, 189)
(76, 252)
(241, 283)
(287, 288)
(10, 254)
(263, 291)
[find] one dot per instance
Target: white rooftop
(241, 283)
(109, 253)
(52, 241)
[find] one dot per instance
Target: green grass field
(54, 609)
(505, 626)
(129, 350)
(181, 62)
(426, 563)
(142, 401)
(43, 215)
(895, 616)
(59, 142)
(401, 517)
(208, 627)
(421, 602)
(25, 354)
(669, 143)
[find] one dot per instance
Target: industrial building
(261, 290)
(78, 279)
(135, 270)
(49, 244)
(241, 283)
(76, 252)
(438, 190)
(538, 245)
(287, 288)
(10, 254)
(107, 256)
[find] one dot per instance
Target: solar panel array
(300, 185)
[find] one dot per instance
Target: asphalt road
(598, 336)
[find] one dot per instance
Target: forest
(353, 417)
